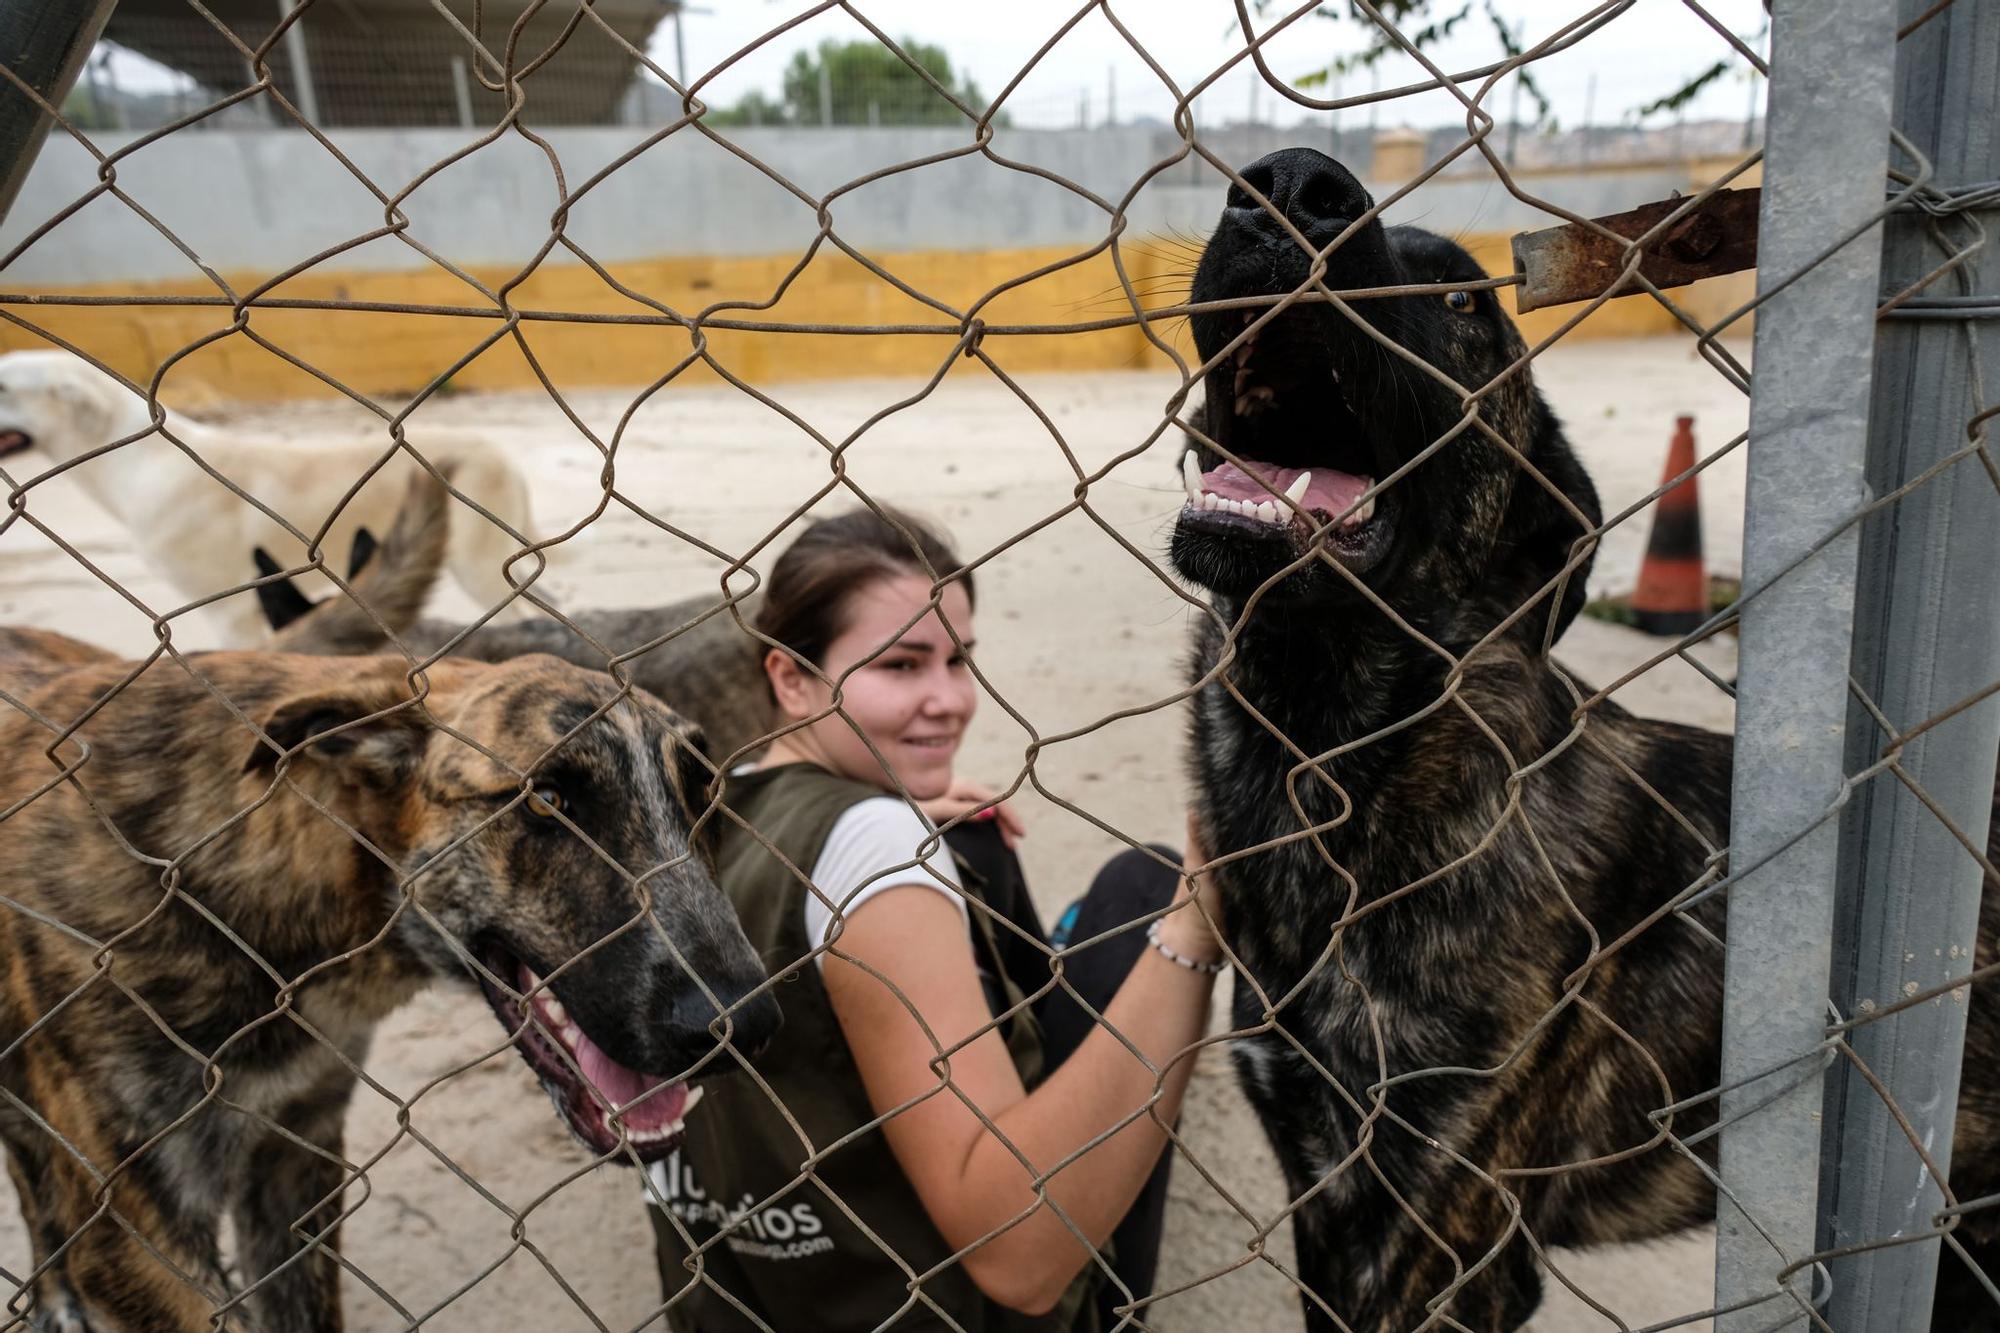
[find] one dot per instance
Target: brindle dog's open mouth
(14, 441)
(652, 1110)
(1279, 405)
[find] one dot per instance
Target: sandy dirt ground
(477, 1211)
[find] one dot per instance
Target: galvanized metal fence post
(1927, 637)
(1827, 155)
(303, 82)
(45, 43)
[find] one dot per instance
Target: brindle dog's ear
(1540, 530)
(378, 751)
(281, 602)
(363, 550)
(694, 765)
(695, 769)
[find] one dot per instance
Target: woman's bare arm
(969, 1180)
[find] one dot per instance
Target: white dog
(200, 535)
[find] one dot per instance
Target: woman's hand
(1186, 929)
(966, 795)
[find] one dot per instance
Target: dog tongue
(618, 1085)
(1329, 491)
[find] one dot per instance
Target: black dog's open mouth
(652, 1111)
(14, 441)
(1309, 463)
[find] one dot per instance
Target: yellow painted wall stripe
(392, 355)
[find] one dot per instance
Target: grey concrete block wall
(259, 201)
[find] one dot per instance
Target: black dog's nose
(1316, 193)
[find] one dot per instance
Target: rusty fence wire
(1515, 972)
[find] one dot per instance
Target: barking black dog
(1459, 918)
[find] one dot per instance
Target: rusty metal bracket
(1575, 263)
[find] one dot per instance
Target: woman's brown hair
(815, 580)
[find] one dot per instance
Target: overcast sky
(1650, 49)
(1647, 51)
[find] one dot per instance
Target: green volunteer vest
(801, 1255)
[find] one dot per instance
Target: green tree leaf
(865, 83)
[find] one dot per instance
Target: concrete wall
(686, 222)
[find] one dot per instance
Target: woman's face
(912, 698)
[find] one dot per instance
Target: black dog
(1435, 896)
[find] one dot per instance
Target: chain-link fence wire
(381, 69)
(1425, 1252)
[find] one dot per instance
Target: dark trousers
(1131, 885)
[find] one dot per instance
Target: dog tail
(390, 587)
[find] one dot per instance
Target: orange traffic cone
(1672, 597)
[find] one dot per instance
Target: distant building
(400, 62)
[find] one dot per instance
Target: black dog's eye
(1459, 301)
(544, 801)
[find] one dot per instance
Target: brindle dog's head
(1456, 543)
(600, 943)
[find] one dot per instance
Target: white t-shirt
(868, 838)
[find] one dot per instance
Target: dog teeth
(1191, 475)
(672, 1127)
(536, 994)
(1296, 492)
(1361, 515)
(666, 1131)
(1265, 512)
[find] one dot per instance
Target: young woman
(879, 1171)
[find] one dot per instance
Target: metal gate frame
(1867, 720)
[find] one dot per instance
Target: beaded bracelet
(1180, 960)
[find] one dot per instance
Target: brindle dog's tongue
(618, 1085)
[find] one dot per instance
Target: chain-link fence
(1521, 965)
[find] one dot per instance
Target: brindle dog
(193, 954)
(1471, 896)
